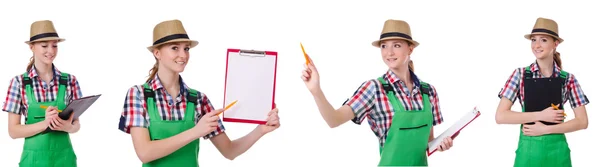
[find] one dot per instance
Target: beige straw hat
(545, 26)
(43, 30)
(168, 32)
(395, 29)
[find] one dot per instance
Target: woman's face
(543, 46)
(173, 56)
(396, 52)
(44, 51)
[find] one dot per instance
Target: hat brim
(377, 43)
(46, 39)
(192, 45)
(528, 36)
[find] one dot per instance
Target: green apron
(549, 150)
(186, 156)
(51, 149)
(407, 138)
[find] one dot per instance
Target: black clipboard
(78, 107)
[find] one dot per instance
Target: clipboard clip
(252, 53)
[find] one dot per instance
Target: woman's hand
(551, 115)
(272, 122)
(446, 144)
(59, 124)
(537, 129)
(310, 76)
(51, 113)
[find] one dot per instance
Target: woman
(166, 118)
(39, 94)
(401, 109)
(539, 87)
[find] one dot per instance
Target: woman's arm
(232, 149)
(148, 150)
(17, 130)
(504, 115)
(578, 123)
(333, 117)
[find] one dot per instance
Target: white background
(468, 50)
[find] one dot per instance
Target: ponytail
(153, 71)
(30, 65)
(556, 58)
(411, 66)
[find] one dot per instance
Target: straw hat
(168, 32)
(545, 26)
(43, 30)
(395, 29)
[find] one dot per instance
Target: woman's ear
(156, 53)
(411, 47)
(31, 46)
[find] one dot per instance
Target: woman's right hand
(310, 76)
(551, 115)
(208, 123)
(51, 113)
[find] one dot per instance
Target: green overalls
(407, 138)
(51, 149)
(186, 156)
(549, 150)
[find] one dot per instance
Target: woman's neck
(404, 76)
(44, 71)
(546, 66)
(170, 81)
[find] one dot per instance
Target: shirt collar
(393, 78)
(536, 68)
(155, 84)
(33, 72)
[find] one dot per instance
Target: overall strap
(425, 93)
(391, 95)
(528, 74)
(150, 103)
(27, 83)
(563, 74)
(62, 90)
(192, 101)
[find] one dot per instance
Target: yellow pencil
(227, 107)
(305, 55)
(46, 107)
(556, 108)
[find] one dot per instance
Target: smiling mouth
(539, 51)
(391, 59)
(180, 62)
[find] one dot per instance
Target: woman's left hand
(62, 125)
(272, 122)
(446, 144)
(536, 129)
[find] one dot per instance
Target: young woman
(166, 118)
(401, 109)
(538, 87)
(39, 94)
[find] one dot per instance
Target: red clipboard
(248, 75)
(452, 131)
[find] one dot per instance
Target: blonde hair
(30, 65)
(411, 65)
(153, 71)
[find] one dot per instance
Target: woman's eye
(174, 48)
(544, 40)
(533, 40)
(382, 46)
(187, 49)
(397, 45)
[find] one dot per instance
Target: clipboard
(453, 130)
(250, 78)
(78, 107)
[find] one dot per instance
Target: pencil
(46, 107)
(556, 108)
(227, 107)
(305, 55)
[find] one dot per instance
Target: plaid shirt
(16, 97)
(135, 113)
(514, 86)
(370, 101)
